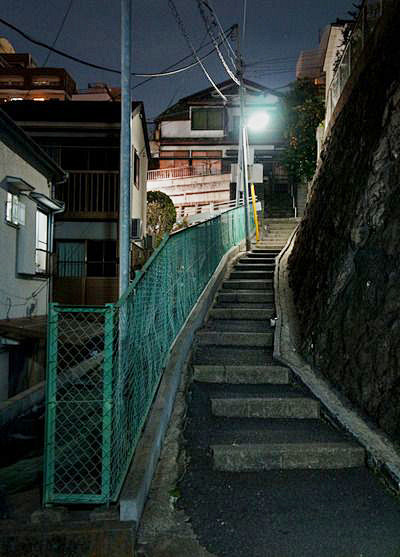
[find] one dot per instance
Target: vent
(136, 229)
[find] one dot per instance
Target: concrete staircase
(255, 417)
(276, 233)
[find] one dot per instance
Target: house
(22, 79)
(84, 138)
(28, 178)
(195, 144)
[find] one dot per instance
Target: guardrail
(370, 13)
(183, 172)
(94, 419)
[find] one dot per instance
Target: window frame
(208, 109)
(39, 270)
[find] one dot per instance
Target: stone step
(268, 306)
(284, 402)
(222, 338)
(241, 313)
(271, 256)
(290, 456)
(229, 355)
(256, 261)
(239, 325)
(247, 284)
(250, 275)
(247, 296)
(245, 374)
(255, 266)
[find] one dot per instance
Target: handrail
(177, 172)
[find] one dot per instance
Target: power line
(58, 32)
(99, 67)
(244, 20)
(175, 12)
(211, 34)
(229, 31)
(209, 4)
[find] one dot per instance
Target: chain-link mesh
(105, 364)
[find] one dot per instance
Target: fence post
(51, 391)
(107, 401)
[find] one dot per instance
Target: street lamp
(256, 121)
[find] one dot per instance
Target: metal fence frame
(105, 363)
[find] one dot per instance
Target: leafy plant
(304, 111)
(161, 214)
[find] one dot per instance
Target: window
(12, 80)
(87, 258)
(49, 81)
(136, 168)
(41, 242)
(71, 259)
(15, 210)
(207, 119)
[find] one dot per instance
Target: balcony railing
(184, 172)
(370, 13)
(90, 194)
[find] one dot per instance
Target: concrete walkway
(219, 497)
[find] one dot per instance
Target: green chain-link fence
(105, 364)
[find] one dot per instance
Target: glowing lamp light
(258, 121)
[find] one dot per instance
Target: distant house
(22, 79)
(195, 145)
(28, 178)
(84, 138)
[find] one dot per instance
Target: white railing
(370, 13)
(183, 172)
(204, 212)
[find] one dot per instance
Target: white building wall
(15, 290)
(139, 196)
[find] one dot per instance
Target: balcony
(90, 194)
(183, 172)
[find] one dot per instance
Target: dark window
(101, 258)
(207, 119)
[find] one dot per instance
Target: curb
(382, 454)
(138, 481)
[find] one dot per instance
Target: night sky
(276, 29)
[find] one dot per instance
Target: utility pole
(125, 146)
(243, 178)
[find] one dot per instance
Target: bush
(161, 214)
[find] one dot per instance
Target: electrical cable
(105, 68)
(229, 31)
(209, 4)
(58, 32)
(211, 34)
(174, 10)
(244, 21)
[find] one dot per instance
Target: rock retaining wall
(345, 265)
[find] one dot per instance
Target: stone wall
(345, 264)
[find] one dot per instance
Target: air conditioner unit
(136, 229)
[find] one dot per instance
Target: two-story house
(28, 178)
(195, 145)
(84, 138)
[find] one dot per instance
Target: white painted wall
(16, 291)
(139, 196)
(334, 49)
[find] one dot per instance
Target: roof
(106, 112)
(180, 110)
(18, 141)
